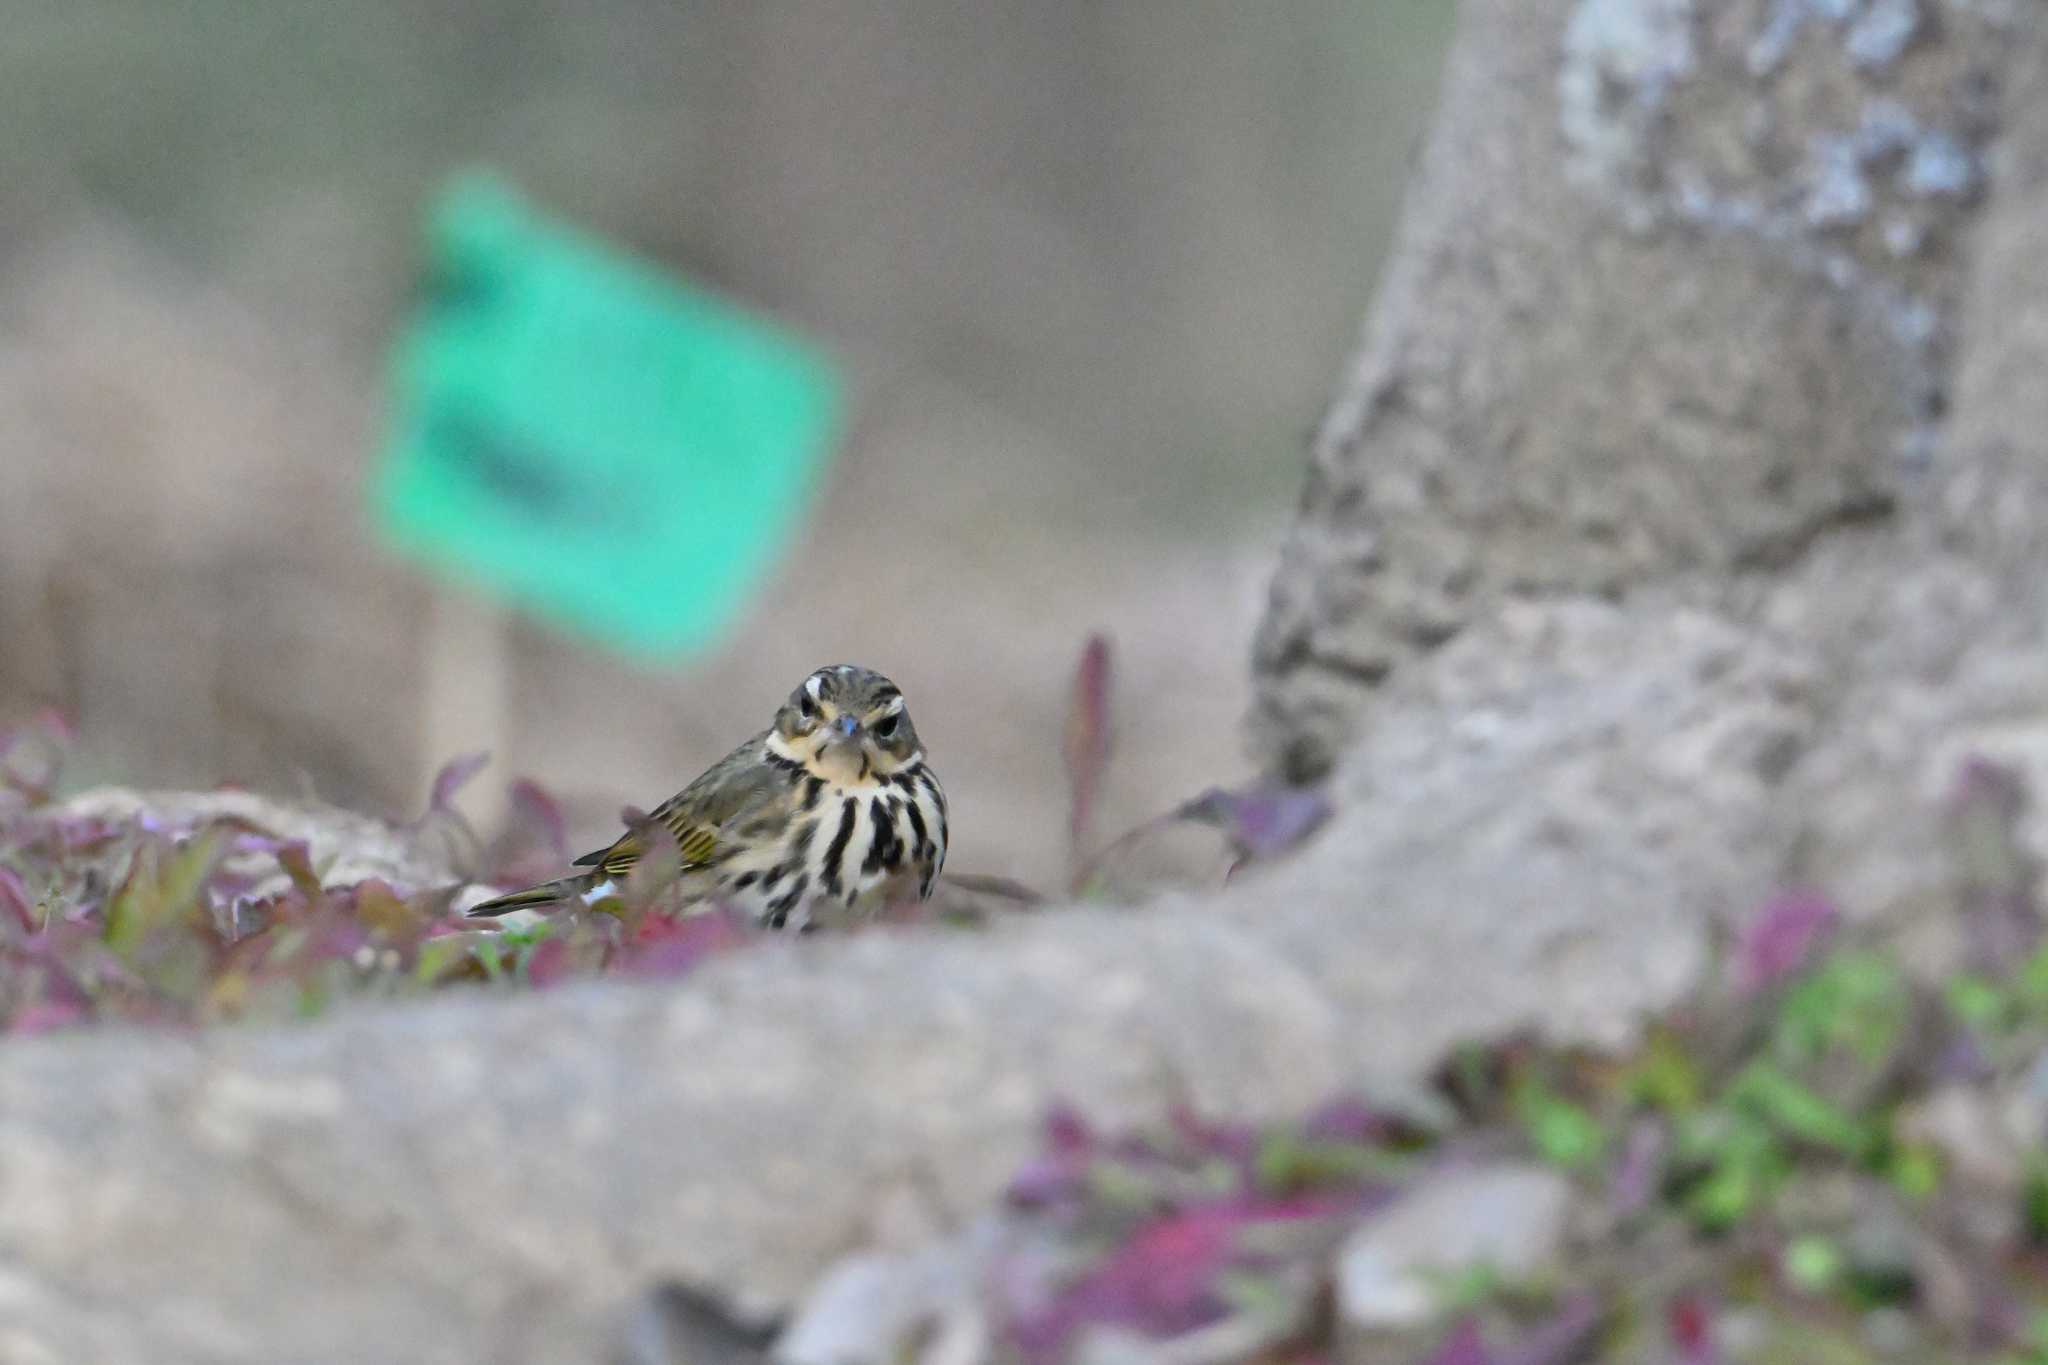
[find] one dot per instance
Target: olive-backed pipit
(820, 816)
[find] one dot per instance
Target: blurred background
(1089, 271)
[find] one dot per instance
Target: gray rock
(345, 847)
(671, 1325)
(1964, 1123)
(878, 1308)
(1509, 1219)
(1611, 351)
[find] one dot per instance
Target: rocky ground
(1825, 1146)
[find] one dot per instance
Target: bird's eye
(887, 728)
(807, 706)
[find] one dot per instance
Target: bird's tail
(547, 893)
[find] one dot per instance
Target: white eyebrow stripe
(894, 708)
(815, 686)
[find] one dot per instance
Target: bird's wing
(733, 786)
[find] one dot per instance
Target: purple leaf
(453, 777)
(1061, 1174)
(1346, 1120)
(1783, 938)
(1086, 746)
(1559, 1340)
(80, 833)
(14, 897)
(659, 864)
(1690, 1323)
(1464, 1346)
(1233, 1142)
(1637, 1172)
(535, 837)
(666, 946)
(1067, 1134)
(1044, 1182)
(1261, 823)
(1162, 1282)
(551, 964)
(1963, 1058)
(45, 1016)
(539, 811)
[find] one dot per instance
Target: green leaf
(2034, 1200)
(440, 956)
(1857, 1001)
(1726, 1196)
(1979, 1003)
(1286, 1163)
(160, 890)
(1915, 1171)
(1463, 1289)
(491, 957)
(1796, 1111)
(1565, 1134)
(1665, 1077)
(1744, 1162)
(2032, 982)
(1813, 1264)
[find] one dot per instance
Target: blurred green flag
(590, 438)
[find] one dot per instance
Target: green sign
(590, 438)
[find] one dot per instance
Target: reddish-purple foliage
(534, 842)
(159, 921)
(550, 965)
(1067, 1133)
(1059, 1176)
(154, 921)
(15, 899)
(1690, 1323)
(1167, 1218)
(1561, 1339)
(1348, 1120)
(1640, 1166)
(453, 777)
(533, 807)
(1464, 1346)
(668, 945)
(1160, 1281)
(1234, 1142)
(1086, 746)
(1264, 822)
(1783, 938)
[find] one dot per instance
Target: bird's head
(847, 725)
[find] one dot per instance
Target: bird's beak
(847, 725)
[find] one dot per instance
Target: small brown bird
(819, 817)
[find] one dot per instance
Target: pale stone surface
(343, 846)
(1509, 1219)
(1649, 316)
